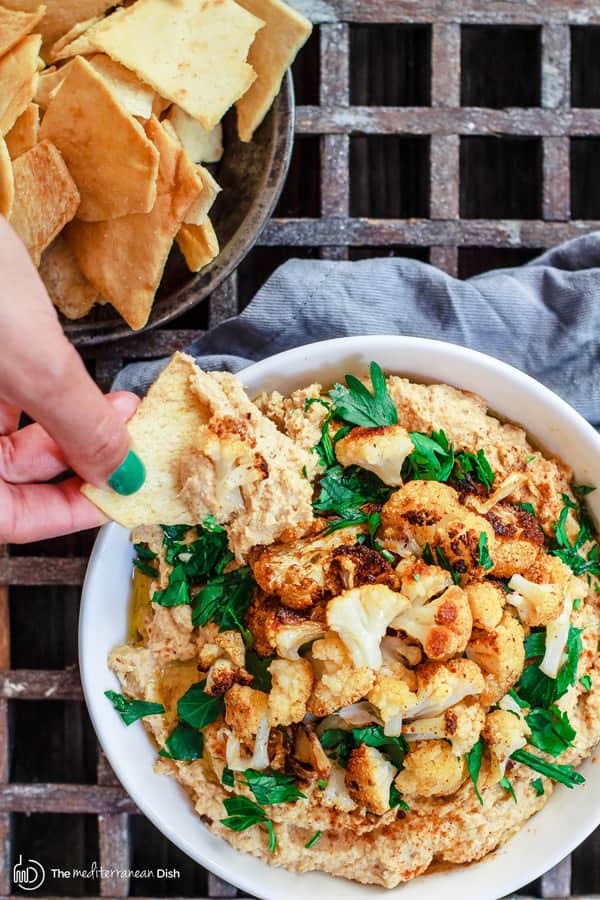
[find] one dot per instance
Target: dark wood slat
(497, 12)
(40, 684)
(65, 798)
(42, 570)
(446, 120)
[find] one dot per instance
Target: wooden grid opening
(408, 86)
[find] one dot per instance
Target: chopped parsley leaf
(395, 748)
(396, 799)
(431, 460)
(473, 758)
(177, 592)
(530, 458)
(551, 730)
(577, 603)
(536, 688)
(243, 814)
(198, 709)
(131, 710)
(505, 783)
(259, 668)
(355, 403)
(272, 787)
(183, 743)
(313, 840)
(582, 490)
(586, 682)
(527, 507)
(442, 561)
(566, 775)
(228, 777)
(569, 553)
(485, 559)
(321, 784)
(538, 785)
(476, 464)
(142, 560)
(225, 600)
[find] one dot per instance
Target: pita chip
(18, 80)
(200, 208)
(163, 430)
(15, 25)
(124, 258)
(199, 245)
(273, 50)
(180, 47)
(114, 164)
(69, 289)
(200, 144)
(48, 84)
(133, 95)
(24, 133)
(46, 197)
(73, 42)
(7, 184)
(61, 15)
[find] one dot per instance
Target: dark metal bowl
(252, 177)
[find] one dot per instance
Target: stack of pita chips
(107, 122)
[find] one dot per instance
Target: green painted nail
(130, 475)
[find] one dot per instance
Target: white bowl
(567, 818)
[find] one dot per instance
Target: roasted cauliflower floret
(279, 629)
(431, 769)
(537, 604)
(298, 573)
(361, 617)
(458, 536)
(486, 600)
(292, 682)
(354, 566)
(518, 539)
(392, 698)
(442, 685)
(461, 725)
(369, 778)
(244, 710)
(410, 517)
(442, 627)
(336, 794)
(309, 751)
(504, 732)
(400, 652)
(381, 450)
(500, 653)
(338, 683)
(420, 582)
(222, 675)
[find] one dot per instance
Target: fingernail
(130, 475)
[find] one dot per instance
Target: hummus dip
(369, 643)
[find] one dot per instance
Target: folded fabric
(543, 317)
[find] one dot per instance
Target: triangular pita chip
(200, 144)
(18, 80)
(7, 184)
(46, 197)
(200, 208)
(124, 258)
(61, 15)
(24, 133)
(73, 42)
(133, 95)
(14, 25)
(163, 429)
(113, 162)
(199, 244)
(69, 289)
(273, 50)
(190, 52)
(48, 84)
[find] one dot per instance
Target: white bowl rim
(336, 886)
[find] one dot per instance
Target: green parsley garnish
(355, 403)
(339, 743)
(536, 688)
(577, 603)
(473, 758)
(225, 600)
(259, 669)
(530, 458)
(243, 814)
(566, 775)
(431, 460)
(505, 783)
(313, 840)
(228, 777)
(476, 465)
(551, 730)
(396, 799)
(142, 560)
(569, 552)
(582, 490)
(527, 507)
(183, 743)
(272, 787)
(199, 709)
(538, 785)
(201, 558)
(177, 593)
(485, 559)
(131, 710)
(442, 561)
(586, 682)
(321, 784)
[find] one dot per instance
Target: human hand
(76, 426)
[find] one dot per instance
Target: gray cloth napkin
(543, 317)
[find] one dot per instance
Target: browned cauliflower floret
(222, 675)
(458, 536)
(393, 698)
(441, 685)
(410, 517)
(504, 732)
(361, 617)
(353, 566)
(308, 751)
(431, 769)
(246, 714)
(221, 645)
(369, 778)
(338, 683)
(518, 539)
(298, 573)
(292, 682)
(486, 599)
(420, 582)
(400, 651)
(442, 626)
(381, 450)
(500, 653)
(461, 725)
(279, 629)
